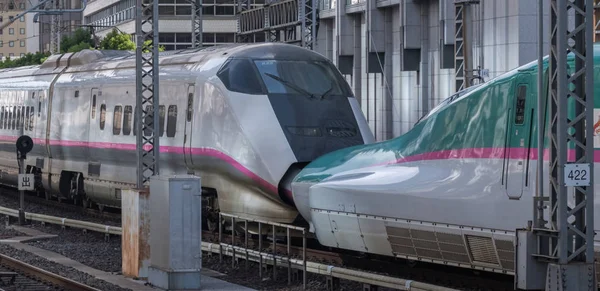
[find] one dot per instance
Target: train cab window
(301, 77)
(94, 106)
(172, 121)
(102, 116)
(239, 75)
(117, 120)
(520, 105)
(127, 120)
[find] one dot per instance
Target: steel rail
(43, 275)
(253, 255)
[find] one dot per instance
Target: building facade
(21, 36)
(69, 22)
(175, 25)
(398, 55)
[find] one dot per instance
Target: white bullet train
(244, 117)
(453, 190)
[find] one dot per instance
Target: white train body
(454, 189)
(236, 133)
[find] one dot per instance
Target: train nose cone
(300, 194)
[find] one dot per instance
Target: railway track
(447, 276)
(91, 212)
(16, 275)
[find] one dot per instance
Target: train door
(189, 118)
(519, 138)
(91, 119)
(40, 120)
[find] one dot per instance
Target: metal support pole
(242, 5)
(463, 63)
(538, 211)
(308, 19)
(21, 192)
(196, 23)
(147, 91)
(572, 228)
(55, 29)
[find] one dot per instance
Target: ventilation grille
(482, 249)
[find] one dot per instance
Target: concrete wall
(409, 36)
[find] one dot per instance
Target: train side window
(13, 118)
(190, 106)
(2, 116)
(172, 121)
(94, 106)
(102, 116)
(127, 120)
(520, 106)
(117, 120)
(19, 119)
(161, 119)
(31, 119)
(26, 119)
(135, 120)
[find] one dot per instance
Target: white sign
(577, 175)
(26, 182)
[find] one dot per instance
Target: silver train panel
(233, 140)
(414, 211)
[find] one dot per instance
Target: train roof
(93, 60)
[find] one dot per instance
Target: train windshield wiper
(291, 85)
(327, 92)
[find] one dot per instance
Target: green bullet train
(453, 189)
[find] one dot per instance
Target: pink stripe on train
(163, 149)
(484, 153)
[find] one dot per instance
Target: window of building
(22, 6)
(172, 121)
(22, 30)
(1, 43)
(22, 19)
(127, 120)
(102, 116)
(11, 31)
(22, 54)
(117, 120)
(22, 43)
(11, 43)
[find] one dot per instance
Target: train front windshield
(312, 78)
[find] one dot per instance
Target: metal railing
(256, 256)
(234, 219)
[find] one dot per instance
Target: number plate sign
(577, 175)
(26, 182)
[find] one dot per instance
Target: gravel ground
(10, 201)
(89, 248)
(57, 268)
(239, 275)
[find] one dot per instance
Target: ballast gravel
(91, 249)
(58, 269)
